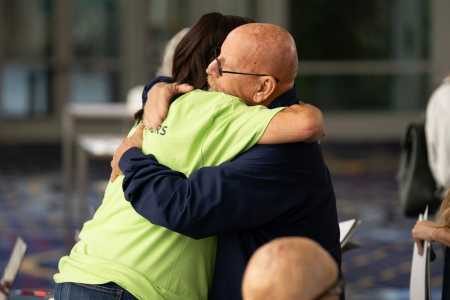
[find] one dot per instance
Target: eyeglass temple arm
(249, 74)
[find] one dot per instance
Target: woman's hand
(423, 231)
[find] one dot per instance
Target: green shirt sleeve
(235, 128)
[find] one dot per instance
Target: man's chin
(213, 86)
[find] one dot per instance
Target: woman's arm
(297, 123)
(442, 235)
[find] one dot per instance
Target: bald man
(255, 49)
(267, 192)
(291, 269)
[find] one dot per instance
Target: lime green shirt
(151, 262)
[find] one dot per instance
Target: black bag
(417, 186)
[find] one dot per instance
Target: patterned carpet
(364, 181)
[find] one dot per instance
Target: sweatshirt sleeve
(233, 196)
(149, 85)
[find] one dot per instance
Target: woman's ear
(266, 86)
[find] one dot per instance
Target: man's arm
(155, 112)
(214, 200)
(148, 86)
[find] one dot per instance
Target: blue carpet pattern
(364, 181)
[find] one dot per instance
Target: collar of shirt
(287, 99)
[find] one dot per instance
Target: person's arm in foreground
(428, 230)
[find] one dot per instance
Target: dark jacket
(267, 192)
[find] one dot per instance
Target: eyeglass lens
(218, 63)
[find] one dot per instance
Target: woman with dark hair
(195, 51)
(123, 256)
(189, 60)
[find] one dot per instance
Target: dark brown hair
(195, 51)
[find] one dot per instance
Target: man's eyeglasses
(336, 289)
(221, 71)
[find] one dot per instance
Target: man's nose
(213, 69)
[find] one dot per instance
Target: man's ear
(264, 89)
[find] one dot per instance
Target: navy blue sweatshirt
(269, 191)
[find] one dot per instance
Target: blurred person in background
(134, 95)
(439, 232)
(292, 268)
(267, 192)
(437, 133)
(167, 62)
(122, 254)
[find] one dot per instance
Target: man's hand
(5, 287)
(159, 98)
(133, 141)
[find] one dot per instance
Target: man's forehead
(236, 49)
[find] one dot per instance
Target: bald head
(266, 49)
(289, 269)
(260, 49)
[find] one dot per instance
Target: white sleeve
(437, 131)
